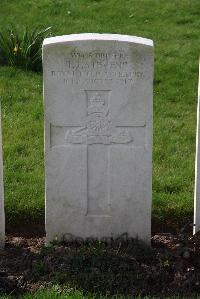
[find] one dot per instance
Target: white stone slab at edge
(2, 215)
(98, 95)
(97, 36)
(196, 227)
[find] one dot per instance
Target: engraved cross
(97, 133)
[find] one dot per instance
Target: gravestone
(196, 227)
(98, 136)
(2, 216)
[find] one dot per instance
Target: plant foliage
(22, 50)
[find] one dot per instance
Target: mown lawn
(174, 27)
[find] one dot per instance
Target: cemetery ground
(172, 266)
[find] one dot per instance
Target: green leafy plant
(22, 50)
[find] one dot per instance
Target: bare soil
(124, 266)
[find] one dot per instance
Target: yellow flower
(15, 49)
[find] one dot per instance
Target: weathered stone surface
(2, 215)
(196, 227)
(98, 135)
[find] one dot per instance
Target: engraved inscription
(98, 126)
(96, 67)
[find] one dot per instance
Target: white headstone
(197, 169)
(2, 215)
(98, 135)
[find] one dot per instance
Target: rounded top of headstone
(97, 36)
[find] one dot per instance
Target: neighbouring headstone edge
(2, 217)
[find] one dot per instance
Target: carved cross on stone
(97, 133)
(98, 127)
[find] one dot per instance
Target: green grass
(174, 27)
(56, 293)
(22, 114)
